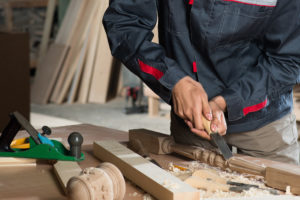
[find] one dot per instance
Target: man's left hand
(218, 123)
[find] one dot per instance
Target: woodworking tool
(36, 145)
(218, 139)
(135, 94)
(75, 140)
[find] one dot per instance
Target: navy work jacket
(247, 51)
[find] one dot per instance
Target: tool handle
(206, 125)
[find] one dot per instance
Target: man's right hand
(190, 102)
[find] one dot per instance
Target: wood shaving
(262, 192)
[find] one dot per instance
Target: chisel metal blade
(222, 145)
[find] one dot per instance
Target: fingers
(201, 133)
(218, 124)
(206, 110)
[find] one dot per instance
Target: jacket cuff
(169, 80)
(234, 104)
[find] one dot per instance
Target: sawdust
(261, 192)
(148, 197)
(170, 185)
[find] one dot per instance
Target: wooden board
(70, 21)
(145, 174)
(65, 170)
(47, 72)
(73, 58)
(93, 47)
(47, 28)
(103, 67)
(16, 162)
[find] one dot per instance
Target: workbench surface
(40, 182)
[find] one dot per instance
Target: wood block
(47, 73)
(145, 174)
(281, 175)
(151, 141)
(65, 170)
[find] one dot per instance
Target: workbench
(40, 182)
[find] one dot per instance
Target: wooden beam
(65, 170)
(47, 28)
(47, 72)
(90, 60)
(103, 66)
(145, 174)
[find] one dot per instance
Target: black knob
(46, 130)
(75, 140)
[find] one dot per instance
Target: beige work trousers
(276, 141)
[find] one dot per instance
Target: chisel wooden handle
(206, 125)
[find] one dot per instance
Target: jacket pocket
(228, 21)
(242, 21)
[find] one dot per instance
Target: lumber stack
(78, 66)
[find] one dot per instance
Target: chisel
(218, 139)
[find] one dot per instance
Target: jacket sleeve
(129, 25)
(278, 66)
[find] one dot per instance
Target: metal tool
(218, 139)
(37, 145)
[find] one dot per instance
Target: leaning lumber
(47, 72)
(103, 66)
(145, 174)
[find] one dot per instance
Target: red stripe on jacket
(255, 108)
(150, 70)
(195, 67)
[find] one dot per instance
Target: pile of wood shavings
(260, 192)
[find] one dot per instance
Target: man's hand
(218, 106)
(218, 123)
(190, 102)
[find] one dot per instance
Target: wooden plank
(16, 162)
(69, 68)
(145, 174)
(65, 170)
(47, 28)
(70, 22)
(46, 74)
(79, 67)
(103, 67)
(93, 47)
